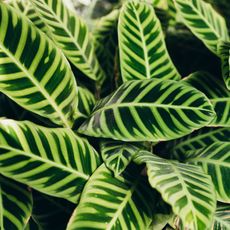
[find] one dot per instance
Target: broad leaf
(224, 51)
(185, 187)
(118, 155)
(197, 140)
(216, 91)
(71, 34)
(143, 54)
(222, 217)
(203, 21)
(26, 8)
(114, 203)
(53, 161)
(33, 72)
(215, 161)
(15, 206)
(149, 110)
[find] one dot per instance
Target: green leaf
(215, 161)
(186, 188)
(53, 161)
(118, 155)
(222, 217)
(216, 91)
(105, 41)
(86, 101)
(26, 8)
(143, 54)
(197, 140)
(149, 110)
(203, 21)
(33, 72)
(224, 51)
(15, 205)
(113, 203)
(71, 35)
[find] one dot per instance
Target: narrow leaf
(46, 159)
(203, 21)
(143, 54)
(149, 110)
(119, 203)
(33, 72)
(71, 35)
(118, 155)
(186, 188)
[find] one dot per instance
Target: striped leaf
(105, 40)
(71, 35)
(143, 54)
(215, 161)
(199, 139)
(120, 203)
(26, 8)
(203, 21)
(53, 161)
(118, 155)
(86, 101)
(50, 212)
(216, 91)
(33, 72)
(15, 206)
(222, 217)
(185, 187)
(224, 51)
(149, 110)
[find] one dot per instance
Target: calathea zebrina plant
(108, 128)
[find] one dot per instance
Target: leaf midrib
(218, 162)
(202, 16)
(144, 46)
(136, 104)
(123, 204)
(47, 161)
(38, 85)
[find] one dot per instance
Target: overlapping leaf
(15, 206)
(71, 34)
(26, 8)
(197, 140)
(53, 161)
(185, 187)
(114, 203)
(216, 91)
(105, 40)
(86, 101)
(33, 72)
(117, 155)
(149, 110)
(222, 217)
(215, 161)
(143, 53)
(224, 51)
(203, 21)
